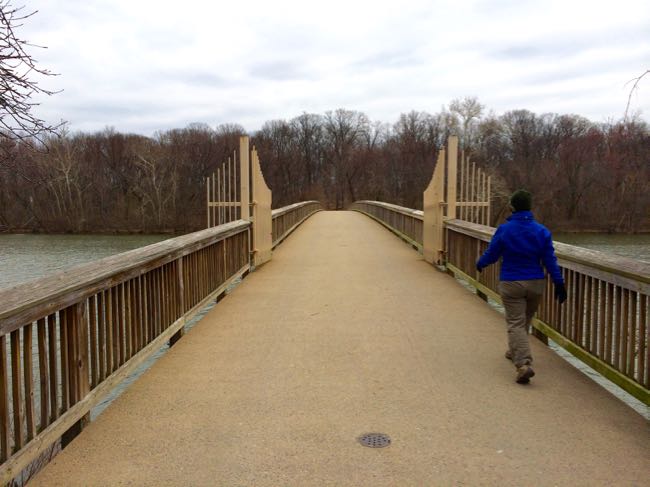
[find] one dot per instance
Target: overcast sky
(142, 66)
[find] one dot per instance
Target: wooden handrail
(419, 214)
(293, 207)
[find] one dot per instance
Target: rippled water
(26, 257)
(633, 246)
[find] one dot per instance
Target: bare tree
(18, 85)
(468, 110)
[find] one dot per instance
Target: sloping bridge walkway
(347, 331)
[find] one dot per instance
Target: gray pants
(520, 300)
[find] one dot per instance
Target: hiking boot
(524, 373)
(508, 355)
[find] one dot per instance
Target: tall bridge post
(433, 205)
(262, 220)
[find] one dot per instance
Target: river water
(633, 246)
(28, 256)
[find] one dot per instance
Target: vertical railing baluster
(54, 381)
(16, 392)
(43, 373)
(5, 444)
(29, 382)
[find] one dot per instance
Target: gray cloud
(386, 59)
(277, 71)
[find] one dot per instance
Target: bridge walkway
(348, 331)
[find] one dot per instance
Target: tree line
(583, 175)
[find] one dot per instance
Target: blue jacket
(524, 246)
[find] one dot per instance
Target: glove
(560, 293)
(479, 268)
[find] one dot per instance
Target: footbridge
(337, 331)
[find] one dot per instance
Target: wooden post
(432, 229)
(262, 221)
(208, 209)
(452, 175)
(180, 299)
(244, 177)
(78, 366)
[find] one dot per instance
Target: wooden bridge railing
(286, 219)
(68, 339)
(604, 323)
(405, 222)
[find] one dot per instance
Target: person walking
(524, 245)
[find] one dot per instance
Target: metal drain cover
(374, 440)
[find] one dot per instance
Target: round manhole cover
(374, 440)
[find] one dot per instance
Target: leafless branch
(18, 84)
(634, 88)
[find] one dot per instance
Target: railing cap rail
(634, 269)
(19, 304)
(419, 214)
(286, 209)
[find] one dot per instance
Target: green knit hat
(521, 200)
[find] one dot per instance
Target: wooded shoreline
(584, 176)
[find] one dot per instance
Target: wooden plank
(5, 444)
(215, 199)
(51, 343)
(609, 346)
(244, 177)
(82, 371)
(29, 381)
(133, 297)
(127, 321)
(471, 197)
(624, 329)
(109, 294)
(16, 390)
(632, 337)
(616, 327)
(102, 310)
(218, 199)
(602, 323)
(72, 326)
(207, 208)
(168, 297)
(452, 175)
(589, 320)
(231, 196)
(43, 373)
(489, 206)
(165, 297)
(644, 341)
(92, 315)
(115, 328)
(121, 329)
(148, 308)
(158, 302)
(64, 346)
(580, 309)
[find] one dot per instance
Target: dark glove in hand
(560, 293)
(479, 268)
